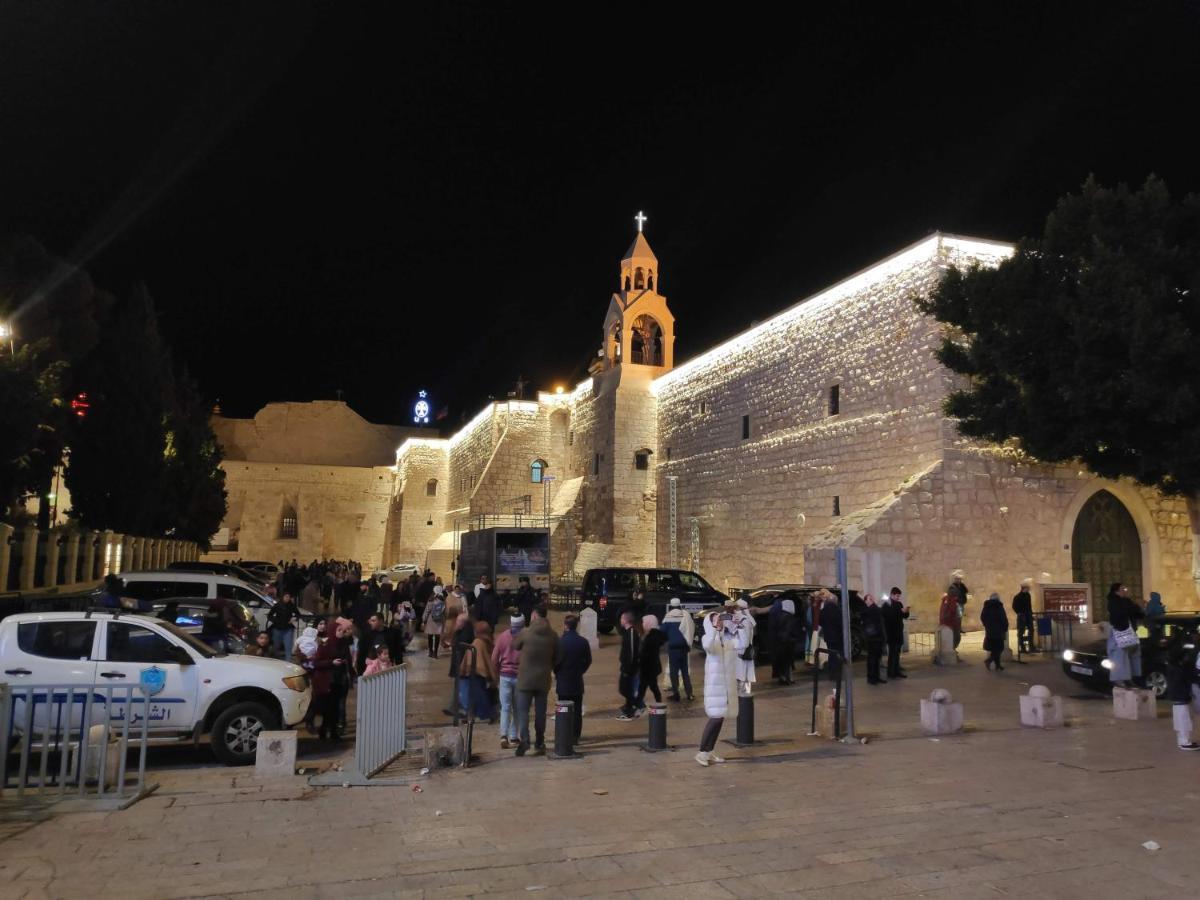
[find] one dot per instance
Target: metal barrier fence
(80, 736)
(380, 719)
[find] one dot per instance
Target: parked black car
(608, 591)
(761, 599)
(1166, 635)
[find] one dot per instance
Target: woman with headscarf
(995, 630)
(720, 643)
(783, 639)
(650, 663)
(477, 674)
(1124, 649)
(330, 658)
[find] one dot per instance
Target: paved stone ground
(997, 811)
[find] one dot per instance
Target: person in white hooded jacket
(722, 642)
(680, 630)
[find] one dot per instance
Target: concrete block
(276, 754)
(944, 648)
(1041, 709)
(444, 747)
(940, 714)
(1134, 703)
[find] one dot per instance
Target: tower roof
(639, 249)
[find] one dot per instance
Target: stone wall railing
(66, 557)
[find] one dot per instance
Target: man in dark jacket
(281, 626)
(573, 659)
(1022, 607)
(873, 634)
(526, 599)
(894, 613)
(487, 607)
(831, 631)
(373, 637)
(630, 664)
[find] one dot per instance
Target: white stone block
(944, 650)
(1041, 711)
(941, 717)
(1134, 703)
(276, 754)
(588, 627)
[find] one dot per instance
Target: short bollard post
(564, 729)
(745, 719)
(657, 715)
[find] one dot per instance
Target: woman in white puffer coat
(720, 643)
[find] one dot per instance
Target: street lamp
(6, 334)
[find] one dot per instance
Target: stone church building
(820, 427)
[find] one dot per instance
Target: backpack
(438, 611)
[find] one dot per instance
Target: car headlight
(297, 682)
(1069, 655)
(1106, 663)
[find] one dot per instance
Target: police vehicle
(194, 690)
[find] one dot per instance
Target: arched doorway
(1106, 547)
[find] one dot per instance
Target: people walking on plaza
(680, 629)
(477, 675)
(433, 622)
(721, 647)
(629, 663)
(1123, 646)
(573, 659)
(262, 646)
(374, 636)
(379, 659)
(949, 617)
(1155, 609)
(538, 646)
(1183, 690)
(964, 592)
(485, 582)
(995, 630)
(506, 660)
(783, 642)
(650, 665)
(526, 599)
(487, 607)
(873, 635)
(894, 613)
(329, 665)
(1022, 607)
(281, 625)
(456, 605)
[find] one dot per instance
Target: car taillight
(603, 603)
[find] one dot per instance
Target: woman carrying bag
(1124, 648)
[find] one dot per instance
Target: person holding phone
(720, 643)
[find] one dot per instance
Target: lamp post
(7, 334)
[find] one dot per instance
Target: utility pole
(847, 674)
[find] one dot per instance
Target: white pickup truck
(232, 698)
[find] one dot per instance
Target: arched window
(626, 282)
(646, 342)
(650, 280)
(641, 458)
(431, 487)
(537, 469)
(639, 279)
(289, 524)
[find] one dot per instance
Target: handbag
(1125, 638)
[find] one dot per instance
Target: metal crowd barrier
(77, 734)
(380, 718)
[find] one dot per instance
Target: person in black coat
(650, 664)
(782, 631)
(894, 613)
(995, 630)
(487, 607)
(830, 620)
(1022, 607)
(572, 659)
(629, 663)
(873, 634)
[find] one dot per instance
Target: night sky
(325, 197)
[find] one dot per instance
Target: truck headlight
(297, 682)
(1069, 655)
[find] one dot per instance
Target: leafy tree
(116, 470)
(29, 399)
(1085, 344)
(194, 498)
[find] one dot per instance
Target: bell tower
(639, 329)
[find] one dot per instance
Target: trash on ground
(599, 792)
(425, 771)
(1151, 845)
(417, 789)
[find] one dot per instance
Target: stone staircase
(592, 556)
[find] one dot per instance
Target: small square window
(835, 399)
(745, 428)
(641, 460)
(704, 407)
(287, 527)
(596, 464)
(668, 454)
(837, 505)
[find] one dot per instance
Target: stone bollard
(1134, 703)
(444, 747)
(276, 754)
(940, 715)
(745, 720)
(1041, 709)
(943, 652)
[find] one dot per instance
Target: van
(608, 591)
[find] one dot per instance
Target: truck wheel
(236, 730)
(604, 629)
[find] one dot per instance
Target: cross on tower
(640, 218)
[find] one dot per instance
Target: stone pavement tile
(914, 863)
(820, 876)
(1089, 881)
(686, 891)
(699, 877)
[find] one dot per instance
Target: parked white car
(175, 584)
(232, 698)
